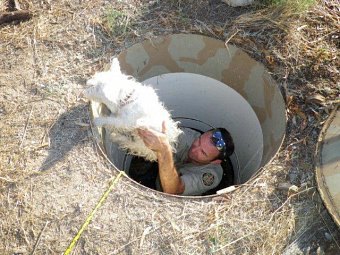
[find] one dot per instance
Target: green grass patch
(297, 5)
(116, 22)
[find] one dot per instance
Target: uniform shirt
(197, 178)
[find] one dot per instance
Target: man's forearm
(158, 142)
(170, 180)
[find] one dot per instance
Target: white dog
(132, 106)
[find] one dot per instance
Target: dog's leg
(112, 122)
(134, 146)
(121, 139)
(97, 94)
(93, 93)
(138, 148)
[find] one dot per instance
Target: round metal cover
(328, 164)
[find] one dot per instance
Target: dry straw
(51, 174)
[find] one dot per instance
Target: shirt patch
(208, 179)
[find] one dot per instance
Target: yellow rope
(89, 218)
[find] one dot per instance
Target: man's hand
(154, 140)
(159, 143)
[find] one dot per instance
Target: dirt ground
(52, 173)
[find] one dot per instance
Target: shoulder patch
(208, 179)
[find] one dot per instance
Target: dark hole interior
(146, 172)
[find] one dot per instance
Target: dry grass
(52, 174)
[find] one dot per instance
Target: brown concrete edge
(320, 178)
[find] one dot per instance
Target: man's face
(202, 150)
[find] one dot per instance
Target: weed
(297, 5)
(116, 22)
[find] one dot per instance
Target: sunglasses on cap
(218, 141)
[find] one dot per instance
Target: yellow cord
(89, 218)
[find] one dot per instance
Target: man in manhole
(195, 168)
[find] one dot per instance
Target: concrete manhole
(328, 165)
(206, 84)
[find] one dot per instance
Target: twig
(25, 235)
(206, 26)
(7, 180)
(238, 239)
(336, 101)
(26, 124)
(7, 17)
(227, 41)
(39, 238)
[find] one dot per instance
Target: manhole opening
(204, 85)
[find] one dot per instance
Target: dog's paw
(92, 82)
(89, 92)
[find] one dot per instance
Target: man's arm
(158, 142)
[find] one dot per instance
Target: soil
(52, 173)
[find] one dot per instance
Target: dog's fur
(132, 106)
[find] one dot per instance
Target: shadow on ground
(320, 235)
(70, 129)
